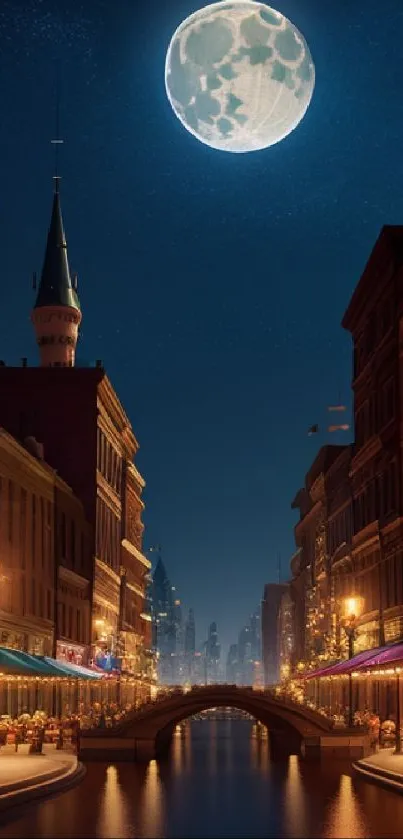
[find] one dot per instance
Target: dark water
(219, 781)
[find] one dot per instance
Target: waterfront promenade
(25, 778)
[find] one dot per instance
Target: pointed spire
(55, 287)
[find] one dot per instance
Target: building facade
(44, 557)
(312, 540)
(286, 634)
(88, 440)
(349, 534)
(374, 319)
(73, 572)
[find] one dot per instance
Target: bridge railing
(112, 720)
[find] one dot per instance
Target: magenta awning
(385, 656)
(380, 656)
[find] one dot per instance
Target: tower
(56, 315)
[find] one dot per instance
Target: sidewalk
(384, 768)
(26, 777)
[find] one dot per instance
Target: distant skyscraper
(169, 636)
(232, 665)
(163, 624)
(190, 648)
(213, 653)
(244, 666)
(190, 634)
(272, 595)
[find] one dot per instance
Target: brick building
(73, 572)
(44, 587)
(76, 415)
(351, 507)
(339, 542)
(374, 318)
(311, 537)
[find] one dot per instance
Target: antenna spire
(57, 141)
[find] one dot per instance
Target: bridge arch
(143, 734)
(157, 721)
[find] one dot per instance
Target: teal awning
(18, 663)
(76, 670)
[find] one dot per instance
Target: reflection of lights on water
(259, 751)
(153, 805)
(181, 747)
(113, 814)
(294, 797)
(213, 745)
(345, 816)
(177, 750)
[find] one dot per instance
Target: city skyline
(224, 355)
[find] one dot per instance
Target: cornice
(27, 463)
(132, 469)
(107, 604)
(317, 489)
(308, 514)
(108, 494)
(99, 563)
(72, 577)
(17, 623)
(136, 553)
(392, 525)
(367, 452)
(107, 426)
(136, 589)
(365, 538)
(115, 409)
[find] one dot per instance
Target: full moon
(239, 75)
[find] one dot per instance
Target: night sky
(212, 285)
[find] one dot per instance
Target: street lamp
(398, 739)
(352, 610)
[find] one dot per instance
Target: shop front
(71, 653)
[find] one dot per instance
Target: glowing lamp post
(352, 611)
(398, 740)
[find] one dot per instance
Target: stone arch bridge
(144, 734)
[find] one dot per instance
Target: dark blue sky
(212, 285)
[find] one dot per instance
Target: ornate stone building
(73, 573)
(76, 414)
(311, 536)
(44, 557)
(27, 571)
(375, 320)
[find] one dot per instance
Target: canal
(218, 781)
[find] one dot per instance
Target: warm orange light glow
(353, 607)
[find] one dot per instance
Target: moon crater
(239, 76)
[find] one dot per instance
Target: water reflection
(213, 747)
(220, 780)
(259, 749)
(346, 817)
(295, 800)
(113, 813)
(152, 805)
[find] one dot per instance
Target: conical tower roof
(55, 287)
(160, 574)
